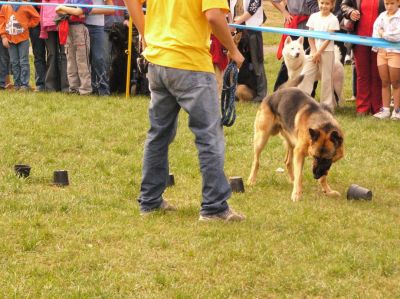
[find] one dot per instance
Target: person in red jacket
(15, 21)
(369, 86)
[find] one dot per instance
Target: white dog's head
(293, 48)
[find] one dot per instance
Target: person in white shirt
(322, 56)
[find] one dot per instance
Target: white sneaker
(395, 114)
(382, 114)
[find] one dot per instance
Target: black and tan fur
(308, 129)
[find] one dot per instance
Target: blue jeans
(100, 78)
(19, 58)
(196, 93)
(4, 65)
(39, 54)
(107, 51)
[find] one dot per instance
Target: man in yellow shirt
(181, 75)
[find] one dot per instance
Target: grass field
(87, 240)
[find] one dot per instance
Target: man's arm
(135, 9)
(217, 19)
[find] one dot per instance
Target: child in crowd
(77, 47)
(15, 21)
(387, 26)
(322, 57)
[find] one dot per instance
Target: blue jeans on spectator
(19, 58)
(107, 51)
(4, 65)
(100, 79)
(39, 56)
(196, 93)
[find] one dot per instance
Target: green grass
(87, 240)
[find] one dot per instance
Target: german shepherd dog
(308, 129)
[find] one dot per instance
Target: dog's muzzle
(321, 167)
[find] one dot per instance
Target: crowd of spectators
(74, 58)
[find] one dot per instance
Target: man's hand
(237, 57)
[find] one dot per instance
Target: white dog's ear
(288, 40)
(301, 40)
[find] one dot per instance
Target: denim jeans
(19, 58)
(196, 93)
(100, 78)
(4, 65)
(107, 52)
(39, 54)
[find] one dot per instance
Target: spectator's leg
(100, 79)
(4, 66)
(15, 67)
(376, 84)
(310, 71)
(72, 67)
(23, 54)
(326, 67)
(82, 43)
(39, 54)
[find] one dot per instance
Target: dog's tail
(293, 82)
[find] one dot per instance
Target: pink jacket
(47, 15)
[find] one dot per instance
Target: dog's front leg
(298, 162)
(260, 140)
(323, 181)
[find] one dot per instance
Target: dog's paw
(295, 196)
(332, 193)
(251, 182)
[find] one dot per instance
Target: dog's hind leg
(262, 131)
(289, 161)
(325, 187)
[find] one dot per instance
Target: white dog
(294, 57)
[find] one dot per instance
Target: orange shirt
(15, 24)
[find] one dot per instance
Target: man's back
(178, 35)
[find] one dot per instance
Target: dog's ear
(301, 40)
(336, 138)
(314, 134)
(288, 40)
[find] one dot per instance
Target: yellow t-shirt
(178, 35)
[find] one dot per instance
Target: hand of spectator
(316, 57)
(355, 15)
(287, 16)
(237, 57)
(126, 23)
(381, 32)
(238, 20)
(5, 42)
